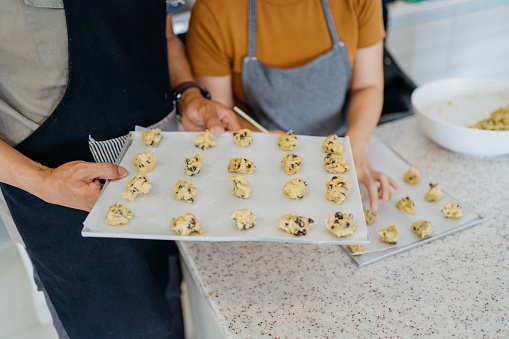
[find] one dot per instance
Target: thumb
(106, 170)
(213, 123)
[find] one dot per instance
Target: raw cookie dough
(406, 205)
(152, 137)
(331, 145)
(380, 192)
(453, 211)
(241, 166)
(245, 218)
(184, 190)
(136, 186)
(356, 248)
(422, 228)
(291, 163)
(295, 188)
(204, 141)
(498, 120)
(412, 177)
(243, 137)
(118, 214)
(389, 234)
(186, 225)
(335, 164)
(288, 141)
(370, 217)
(241, 186)
(337, 189)
(295, 224)
(434, 194)
(193, 165)
(341, 224)
(145, 162)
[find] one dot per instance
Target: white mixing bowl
(445, 108)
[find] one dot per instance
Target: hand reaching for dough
(369, 177)
(76, 184)
(199, 114)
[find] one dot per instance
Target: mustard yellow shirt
(290, 33)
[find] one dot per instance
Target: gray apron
(308, 99)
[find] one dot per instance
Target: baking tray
(386, 160)
(215, 201)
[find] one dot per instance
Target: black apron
(118, 77)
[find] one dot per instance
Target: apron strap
(330, 22)
(251, 33)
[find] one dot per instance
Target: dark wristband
(184, 86)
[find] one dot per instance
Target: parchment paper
(215, 201)
(389, 162)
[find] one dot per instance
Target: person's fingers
(384, 186)
(393, 183)
(213, 123)
(373, 194)
(103, 170)
(228, 118)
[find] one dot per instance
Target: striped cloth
(109, 150)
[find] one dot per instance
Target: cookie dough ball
(145, 162)
(241, 186)
(406, 205)
(453, 211)
(243, 137)
(136, 186)
(341, 225)
(356, 248)
(241, 166)
(291, 163)
(337, 189)
(204, 141)
(193, 165)
(370, 217)
(186, 225)
(380, 192)
(118, 214)
(335, 164)
(422, 228)
(152, 137)
(295, 188)
(295, 224)
(184, 190)
(389, 234)
(288, 141)
(412, 177)
(331, 145)
(245, 218)
(434, 194)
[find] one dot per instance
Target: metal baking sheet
(215, 201)
(388, 161)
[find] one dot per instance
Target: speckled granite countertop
(456, 286)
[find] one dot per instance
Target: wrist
(186, 86)
(34, 179)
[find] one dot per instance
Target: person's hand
(199, 113)
(76, 184)
(369, 177)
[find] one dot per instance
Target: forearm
(178, 63)
(363, 115)
(19, 171)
